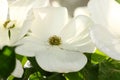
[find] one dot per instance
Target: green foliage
(90, 71)
(109, 70)
(74, 76)
(40, 74)
(35, 76)
(22, 59)
(118, 1)
(98, 57)
(7, 61)
(98, 67)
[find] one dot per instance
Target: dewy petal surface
(54, 59)
(105, 41)
(3, 10)
(113, 18)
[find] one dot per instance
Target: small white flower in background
(106, 31)
(57, 44)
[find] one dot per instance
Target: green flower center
(9, 24)
(54, 40)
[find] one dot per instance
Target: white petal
(82, 11)
(19, 9)
(18, 33)
(99, 10)
(76, 29)
(14, 35)
(76, 35)
(40, 3)
(10, 1)
(54, 59)
(27, 46)
(4, 38)
(3, 10)
(106, 15)
(49, 22)
(18, 72)
(113, 20)
(106, 42)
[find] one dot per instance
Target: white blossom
(15, 21)
(58, 44)
(106, 31)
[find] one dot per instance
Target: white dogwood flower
(14, 23)
(106, 31)
(57, 44)
(15, 19)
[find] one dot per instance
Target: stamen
(55, 40)
(9, 24)
(6, 23)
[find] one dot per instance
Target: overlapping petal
(76, 34)
(66, 57)
(49, 21)
(105, 41)
(106, 15)
(54, 59)
(106, 34)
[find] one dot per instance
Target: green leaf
(22, 59)
(118, 1)
(37, 68)
(56, 76)
(43, 75)
(98, 57)
(35, 76)
(90, 71)
(74, 76)
(109, 70)
(7, 61)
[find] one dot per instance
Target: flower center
(9, 24)
(54, 40)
